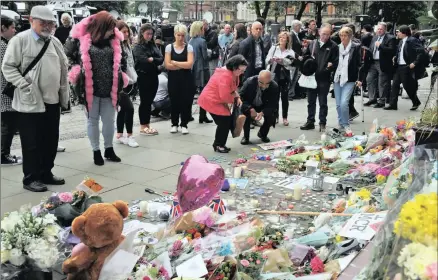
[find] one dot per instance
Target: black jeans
(39, 135)
(223, 127)
(268, 121)
(284, 96)
(148, 86)
(162, 106)
(9, 127)
(125, 117)
(321, 92)
(404, 75)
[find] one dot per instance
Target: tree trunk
(266, 9)
(318, 13)
(301, 10)
(257, 8)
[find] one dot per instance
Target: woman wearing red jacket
(218, 94)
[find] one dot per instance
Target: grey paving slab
(128, 193)
(166, 183)
(84, 163)
(13, 203)
(155, 159)
(71, 182)
(10, 188)
(135, 174)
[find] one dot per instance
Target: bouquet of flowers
(225, 271)
(250, 263)
(27, 240)
(149, 271)
(271, 238)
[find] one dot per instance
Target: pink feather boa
(79, 32)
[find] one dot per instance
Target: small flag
(218, 205)
(175, 210)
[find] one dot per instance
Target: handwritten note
(121, 263)
(362, 226)
(194, 267)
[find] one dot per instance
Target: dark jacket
(329, 52)
(366, 39)
(413, 52)
(387, 50)
(141, 54)
(233, 49)
(247, 49)
(354, 62)
(366, 60)
(200, 69)
(62, 33)
(267, 42)
(270, 96)
(297, 47)
(212, 39)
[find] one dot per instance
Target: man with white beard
(35, 63)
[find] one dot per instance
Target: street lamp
(202, 1)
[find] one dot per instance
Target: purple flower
(53, 200)
(383, 171)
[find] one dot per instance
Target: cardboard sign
(89, 186)
(363, 226)
(275, 145)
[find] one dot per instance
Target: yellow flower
(364, 194)
(5, 255)
(381, 179)
(339, 238)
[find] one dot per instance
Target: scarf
(341, 74)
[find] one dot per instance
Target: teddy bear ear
(78, 226)
(122, 207)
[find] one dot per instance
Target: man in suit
(253, 50)
(409, 68)
(383, 47)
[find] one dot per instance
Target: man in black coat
(383, 47)
(409, 63)
(295, 91)
(253, 50)
(259, 95)
(212, 40)
(326, 53)
(367, 35)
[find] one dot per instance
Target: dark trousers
(351, 105)
(268, 121)
(223, 127)
(39, 135)
(125, 117)
(181, 106)
(284, 96)
(404, 75)
(9, 127)
(320, 93)
(162, 106)
(148, 86)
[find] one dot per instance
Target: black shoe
(245, 141)
(98, 160)
(205, 120)
(379, 105)
(220, 149)
(322, 127)
(369, 103)
(191, 119)
(60, 149)
(111, 156)
(53, 181)
(415, 107)
(226, 148)
(353, 116)
(265, 139)
(35, 187)
(394, 108)
(307, 126)
(10, 160)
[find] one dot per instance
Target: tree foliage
(121, 7)
(177, 5)
(397, 12)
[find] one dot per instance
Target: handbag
(308, 81)
(237, 120)
(10, 88)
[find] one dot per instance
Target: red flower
(146, 278)
(317, 265)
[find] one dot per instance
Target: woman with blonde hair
(279, 61)
(200, 69)
(178, 61)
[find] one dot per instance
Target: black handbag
(10, 88)
(235, 115)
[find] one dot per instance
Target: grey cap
(42, 12)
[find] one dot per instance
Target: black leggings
(284, 96)
(9, 125)
(223, 127)
(148, 86)
(125, 117)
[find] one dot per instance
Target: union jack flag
(218, 205)
(175, 210)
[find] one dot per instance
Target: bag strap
(37, 58)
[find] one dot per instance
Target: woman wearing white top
(279, 60)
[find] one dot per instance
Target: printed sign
(275, 145)
(363, 226)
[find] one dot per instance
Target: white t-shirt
(169, 49)
(162, 88)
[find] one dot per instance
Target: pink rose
(146, 278)
(432, 271)
(257, 261)
(245, 263)
(65, 197)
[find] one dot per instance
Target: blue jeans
(342, 95)
(102, 109)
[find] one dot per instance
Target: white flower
(8, 223)
(43, 253)
(49, 219)
(5, 255)
(16, 257)
(51, 233)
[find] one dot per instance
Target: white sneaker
(174, 129)
(131, 142)
(348, 131)
(184, 130)
(121, 140)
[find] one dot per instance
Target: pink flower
(317, 265)
(146, 278)
(245, 263)
(65, 197)
(250, 240)
(251, 260)
(432, 271)
(257, 261)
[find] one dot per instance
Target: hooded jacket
(80, 76)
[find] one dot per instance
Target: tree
(397, 12)
(177, 5)
(262, 9)
(121, 7)
(154, 8)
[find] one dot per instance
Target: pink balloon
(199, 181)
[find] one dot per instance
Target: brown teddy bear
(100, 230)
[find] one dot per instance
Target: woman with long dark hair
(147, 59)
(125, 116)
(98, 75)
(240, 34)
(179, 61)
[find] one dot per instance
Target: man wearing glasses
(259, 95)
(36, 65)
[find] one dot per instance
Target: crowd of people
(101, 62)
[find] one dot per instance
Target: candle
(233, 187)
(323, 137)
(289, 196)
(255, 202)
(297, 192)
(237, 172)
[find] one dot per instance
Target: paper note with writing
(164, 260)
(131, 226)
(194, 267)
(275, 145)
(121, 264)
(293, 180)
(362, 226)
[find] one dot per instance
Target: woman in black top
(178, 61)
(63, 32)
(147, 58)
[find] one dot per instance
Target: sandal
(285, 122)
(149, 131)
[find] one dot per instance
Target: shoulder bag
(10, 88)
(309, 81)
